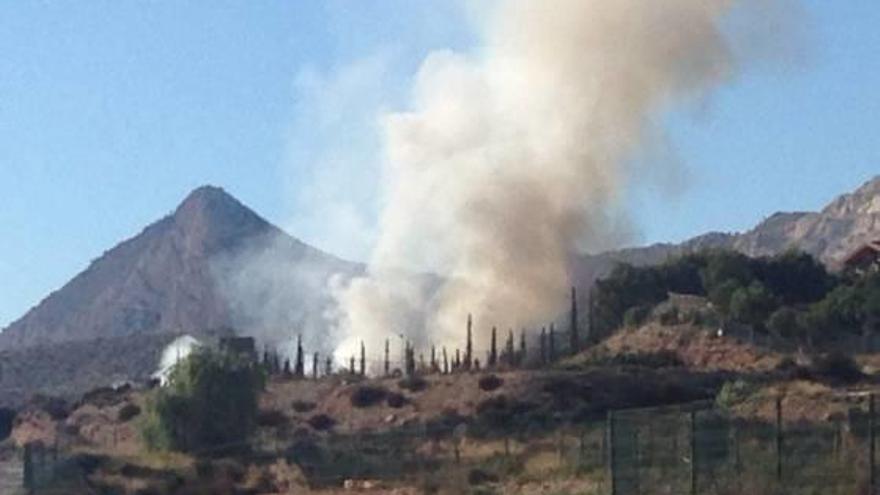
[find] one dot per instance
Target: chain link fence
(698, 449)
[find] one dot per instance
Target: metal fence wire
(702, 450)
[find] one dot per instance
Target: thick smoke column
(514, 159)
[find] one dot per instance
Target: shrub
(367, 396)
(395, 400)
(210, 400)
(489, 383)
(127, 412)
(413, 383)
(57, 408)
(443, 425)
(302, 406)
(838, 368)
(271, 418)
(635, 316)
(321, 422)
(656, 359)
(733, 393)
(480, 476)
(669, 317)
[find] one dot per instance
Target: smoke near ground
(513, 159)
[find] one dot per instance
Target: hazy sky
(111, 111)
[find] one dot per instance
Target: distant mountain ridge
(166, 280)
(846, 223)
(214, 265)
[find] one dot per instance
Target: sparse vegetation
(837, 368)
(302, 406)
(128, 412)
(413, 383)
(367, 395)
(321, 422)
(489, 383)
(395, 400)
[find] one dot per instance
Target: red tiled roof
(872, 247)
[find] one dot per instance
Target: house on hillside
(864, 259)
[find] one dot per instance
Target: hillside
(829, 235)
(200, 268)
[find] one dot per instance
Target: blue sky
(111, 111)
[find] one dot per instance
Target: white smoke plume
(514, 159)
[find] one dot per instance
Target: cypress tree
(511, 357)
(591, 311)
(363, 359)
(299, 370)
(315, 365)
(493, 349)
(522, 347)
(433, 359)
(552, 344)
(351, 365)
(445, 362)
(469, 347)
(387, 357)
(328, 366)
(575, 337)
(287, 366)
(410, 360)
(543, 345)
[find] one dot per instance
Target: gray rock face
(172, 278)
(830, 235)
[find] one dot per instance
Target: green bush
(635, 316)
(489, 383)
(837, 368)
(733, 393)
(127, 412)
(367, 396)
(210, 401)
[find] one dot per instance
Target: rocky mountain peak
(211, 220)
(863, 201)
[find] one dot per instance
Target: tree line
(790, 295)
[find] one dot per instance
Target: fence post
(560, 447)
(28, 469)
(871, 473)
(779, 439)
(609, 435)
(693, 449)
(582, 447)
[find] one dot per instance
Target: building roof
(871, 249)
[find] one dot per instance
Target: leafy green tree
(752, 305)
(795, 277)
(210, 401)
(724, 266)
(785, 323)
(625, 287)
(721, 294)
